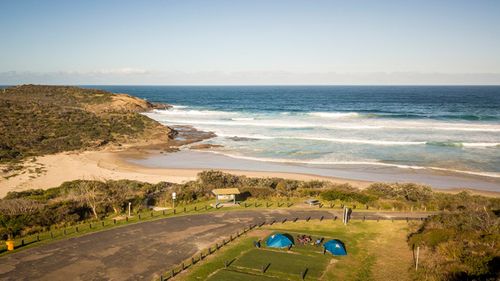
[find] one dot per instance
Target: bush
(407, 191)
(348, 196)
(462, 246)
(38, 120)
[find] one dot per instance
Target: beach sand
(112, 164)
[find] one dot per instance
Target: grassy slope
(376, 251)
(39, 120)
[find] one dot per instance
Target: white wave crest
(481, 144)
(242, 118)
(180, 112)
(370, 142)
(367, 163)
(334, 115)
(179, 106)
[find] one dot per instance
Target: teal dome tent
(336, 247)
(279, 241)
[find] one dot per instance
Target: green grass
(375, 251)
(215, 262)
(284, 264)
(230, 275)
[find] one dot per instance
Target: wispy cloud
(148, 77)
(121, 71)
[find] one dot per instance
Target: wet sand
(157, 165)
(359, 174)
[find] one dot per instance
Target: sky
(190, 42)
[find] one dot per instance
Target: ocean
(441, 128)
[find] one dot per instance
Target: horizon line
(262, 85)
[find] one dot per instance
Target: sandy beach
(112, 164)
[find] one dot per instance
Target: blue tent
(336, 247)
(278, 241)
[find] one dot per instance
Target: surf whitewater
(449, 128)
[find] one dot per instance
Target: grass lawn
(230, 275)
(375, 251)
(284, 264)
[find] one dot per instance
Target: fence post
(102, 223)
(90, 225)
(139, 215)
(64, 231)
(174, 211)
(51, 235)
(38, 237)
(76, 228)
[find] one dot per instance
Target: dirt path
(142, 251)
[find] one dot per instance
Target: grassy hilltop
(38, 120)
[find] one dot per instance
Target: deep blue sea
(437, 127)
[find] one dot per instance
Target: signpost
(345, 215)
(174, 196)
(418, 254)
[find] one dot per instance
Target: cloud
(124, 71)
(133, 76)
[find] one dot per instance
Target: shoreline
(112, 164)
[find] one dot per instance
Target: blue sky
(250, 42)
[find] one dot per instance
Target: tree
(90, 193)
(117, 194)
